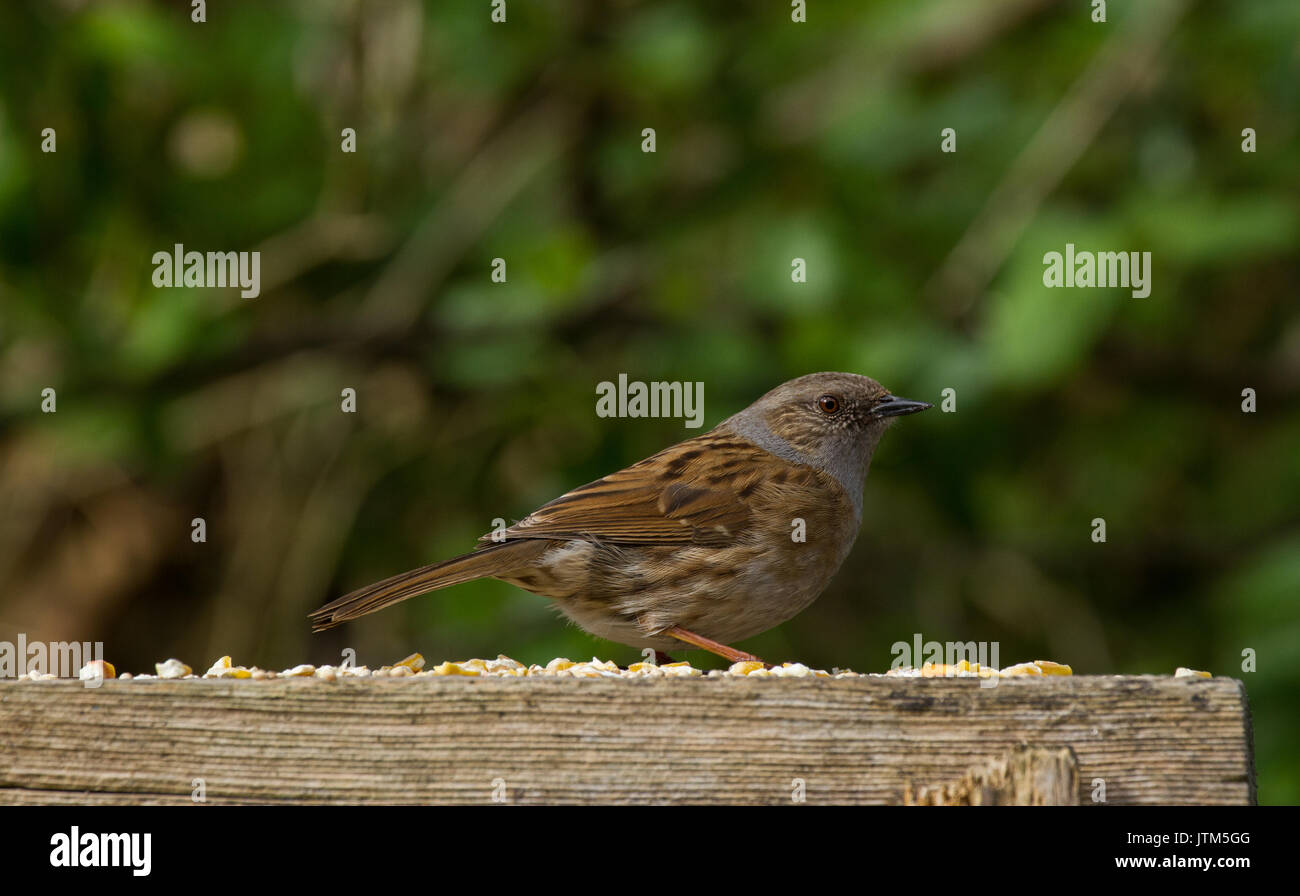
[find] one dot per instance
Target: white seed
(1021, 669)
(173, 668)
(218, 667)
(96, 670)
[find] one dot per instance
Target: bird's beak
(893, 406)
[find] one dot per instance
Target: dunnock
(710, 541)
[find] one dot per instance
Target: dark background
(477, 400)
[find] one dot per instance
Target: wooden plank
(552, 740)
(1025, 776)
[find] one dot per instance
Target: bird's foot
(722, 650)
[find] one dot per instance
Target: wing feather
(696, 492)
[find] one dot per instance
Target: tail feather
(493, 560)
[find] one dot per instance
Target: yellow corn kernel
(414, 662)
(681, 670)
(454, 669)
(1051, 668)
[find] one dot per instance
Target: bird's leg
(722, 650)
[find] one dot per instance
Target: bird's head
(831, 421)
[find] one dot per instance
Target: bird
(709, 542)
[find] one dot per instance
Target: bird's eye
(829, 404)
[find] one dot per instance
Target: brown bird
(708, 542)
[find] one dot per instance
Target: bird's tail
(492, 560)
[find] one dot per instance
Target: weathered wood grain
(1024, 776)
(539, 740)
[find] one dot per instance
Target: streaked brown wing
(696, 492)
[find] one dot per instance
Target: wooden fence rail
(1085, 739)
